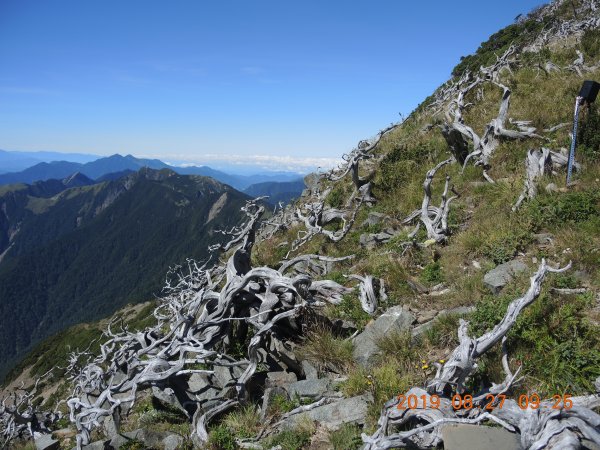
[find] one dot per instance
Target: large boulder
(45, 442)
(476, 437)
(334, 415)
(503, 274)
(308, 388)
(395, 319)
(150, 438)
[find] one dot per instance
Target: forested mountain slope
(86, 251)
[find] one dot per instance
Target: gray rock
(476, 437)
(224, 376)
(374, 218)
(426, 316)
(371, 240)
(45, 442)
(334, 415)
(112, 423)
(312, 181)
(543, 238)
(308, 388)
(551, 187)
(280, 378)
(150, 438)
(172, 442)
(200, 387)
(268, 396)
(167, 397)
(310, 372)
(365, 344)
(98, 445)
(501, 275)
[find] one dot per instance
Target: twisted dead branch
(20, 417)
(434, 219)
(537, 163)
(542, 428)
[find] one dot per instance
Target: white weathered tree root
(542, 428)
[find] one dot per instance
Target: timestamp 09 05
(489, 403)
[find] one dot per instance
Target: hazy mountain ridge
(102, 167)
(277, 191)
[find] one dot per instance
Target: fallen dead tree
(540, 428)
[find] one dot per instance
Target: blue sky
(281, 82)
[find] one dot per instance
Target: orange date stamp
(489, 403)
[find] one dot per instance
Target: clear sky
(290, 81)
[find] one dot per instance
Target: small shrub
(590, 43)
(347, 437)
(281, 404)
(576, 206)
(589, 135)
(504, 245)
(294, 439)
(133, 444)
(221, 438)
(432, 273)
(336, 196)
(244, 422)
(351, 309)
(325, 350)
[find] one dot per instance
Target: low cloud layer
(265, 162)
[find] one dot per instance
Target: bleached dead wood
(203, 313)
(370, 290)
(20, 417)
(362, 152)
(537, 163)
(541, 428)
(434, 219)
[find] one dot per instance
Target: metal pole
(578, 102)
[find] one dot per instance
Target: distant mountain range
(100, 167)
(284, 191)
(75, 249)
(11, 161)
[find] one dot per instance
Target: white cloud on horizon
(264, 162)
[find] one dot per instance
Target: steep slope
(88, 251)
(363, 288)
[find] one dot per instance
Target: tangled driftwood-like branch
(363, 151)
(458, 134)
(536, 164)
(202, 316)
(369, 291)
(435, 219)
(315, 217)
(540, 428)
(20, 418)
